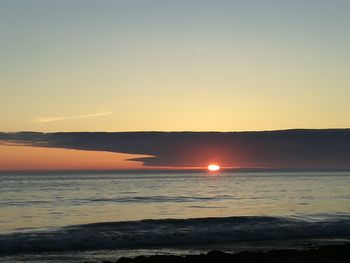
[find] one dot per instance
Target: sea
(96, 216)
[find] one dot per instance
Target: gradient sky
(174, 65)
(287, 149)
(18, 158)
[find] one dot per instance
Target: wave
(128, 199)
(161, 199)
(167, 233)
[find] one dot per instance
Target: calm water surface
(45, 201)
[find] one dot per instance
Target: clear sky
(17, 158)
(174, 65)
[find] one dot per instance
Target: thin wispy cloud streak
(63, 118)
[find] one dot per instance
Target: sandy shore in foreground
(324, 254)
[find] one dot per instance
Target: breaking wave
(167, 233)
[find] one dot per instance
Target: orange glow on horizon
(213, 167)
(18, 158)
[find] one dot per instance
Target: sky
(174, 65)
(160, 65)
(20, 158)
(286, 149)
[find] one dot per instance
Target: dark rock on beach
(325, 254)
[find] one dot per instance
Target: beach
(336, 254)
(174, 131)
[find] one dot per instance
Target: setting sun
(213, 167)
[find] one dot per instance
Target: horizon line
(180, 170)
(180, 131)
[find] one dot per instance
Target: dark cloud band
(267, 149)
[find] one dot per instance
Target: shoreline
(309, 253)
(324, 254)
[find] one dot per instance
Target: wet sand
(324, 254)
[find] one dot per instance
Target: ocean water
(67, 217)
